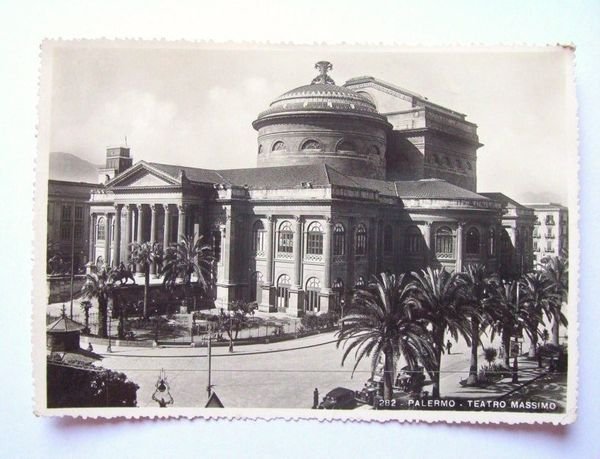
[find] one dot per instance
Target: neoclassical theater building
(351, 181)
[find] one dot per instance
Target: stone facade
(348, 186)
(551, 233)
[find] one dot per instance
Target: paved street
(277, 375)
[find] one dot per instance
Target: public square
(276, 375)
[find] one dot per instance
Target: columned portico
(268, 296)
(166, 226)
(326, 293)
(153, 208)
(116, 243)
(127, 208)
(181, 222)
(140, 230)
(459, 246)
(296, 304)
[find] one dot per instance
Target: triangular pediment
(143, 175)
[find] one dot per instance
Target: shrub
(490, 354)
(310, 321)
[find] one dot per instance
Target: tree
(556, 272)
(436, 291)
(539, 301)
(475, 290)
(380, 322)
(100, 285)
(186, 259)
(232, 321)
(504, 318)
(145, 254)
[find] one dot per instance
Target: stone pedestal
(225, 295)
(296, 304)
(267, 303)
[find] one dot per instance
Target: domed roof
(321, 96)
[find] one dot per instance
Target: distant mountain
(66, 166)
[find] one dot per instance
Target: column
(297, 279)
(227, 246)
(92, 238)
(128, 211)
(106, 239)
(269, 250)
(116, 246)
(181, 222)
(327, 253)
(167, 226)
(153, 208)
(140, 233)
(429, 246)
(459, 246)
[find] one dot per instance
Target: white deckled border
(39, 294)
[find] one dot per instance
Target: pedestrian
(315, 398)
(449, 347)
(90, 347)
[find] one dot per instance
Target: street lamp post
(209, 386)
(109, 347)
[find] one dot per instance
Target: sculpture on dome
(323, 67)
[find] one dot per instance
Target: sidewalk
(528, 371)
(216, 351)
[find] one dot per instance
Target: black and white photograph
(331, 232)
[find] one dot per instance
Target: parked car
(339, 398)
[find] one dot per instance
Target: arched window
(285, 241)
(339, 239)
(472, 242)
(278, 146)
(361, 240)
(256, 281)
(258, 237)
(444, 242)
(311, 145)
(413, 240)
(313, 288)
(346, 145)
(492, 242)
(101, 229)
(388, 239)
(283, 291)
(505, 242)
(314, 239)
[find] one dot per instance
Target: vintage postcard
(327, 232)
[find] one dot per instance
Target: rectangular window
(65, 231)
(66, 213)
(339, 244)
(285, 242)
(78, 213)
(258, 241)
(549, 247)
(361, 243)
(314, 244)
(78, 231)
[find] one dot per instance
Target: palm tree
(145, 254)
(100, 286)
(539, 301)
(436, 291)
(379, 322)
(556, 272)
(505, 313)
(189, 257)
(475, 290)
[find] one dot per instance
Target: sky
(193, 105)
